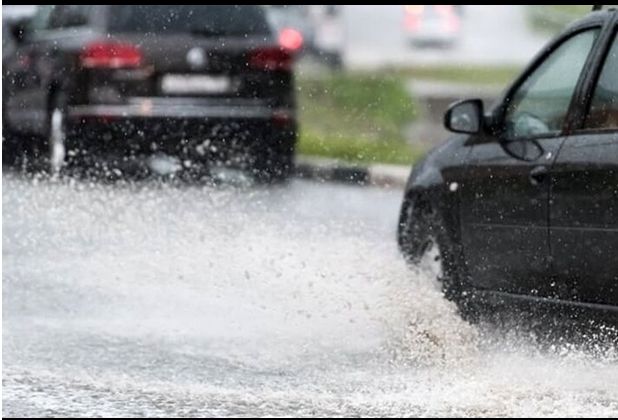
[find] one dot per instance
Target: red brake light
(290, 39)
(111, 55)
(270, 59)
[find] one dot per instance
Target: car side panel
(504, 218)
(584, 219)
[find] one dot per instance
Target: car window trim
(63, 9)
(594, 131)
(579, 125)
(499, 114)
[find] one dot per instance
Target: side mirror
(465, 117)
(19, 29)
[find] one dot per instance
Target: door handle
(538, 175)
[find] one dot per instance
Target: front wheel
(422, 236)
(274, 164)
(419, 231)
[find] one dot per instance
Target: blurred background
(373, 81)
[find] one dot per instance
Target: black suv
(204, 83)
(522, 203)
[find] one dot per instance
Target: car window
(202, 20)
(40, 19)
(540, 105)
(603, 113)
(68, 16)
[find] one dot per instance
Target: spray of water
(158, 299)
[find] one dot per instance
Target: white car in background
(433, 25)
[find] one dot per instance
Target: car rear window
(224, 20)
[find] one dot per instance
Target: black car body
(206, 83)
(523, 201)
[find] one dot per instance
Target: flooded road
(163, 300)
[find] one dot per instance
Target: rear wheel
(274, 164)
(10, 147)
(13, 147)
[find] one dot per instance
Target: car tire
(10, 147)
(422, 231)
(13, 148)
(274, 164)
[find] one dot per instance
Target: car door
(584, 197)
(505, 194)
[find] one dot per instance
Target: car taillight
(282, 118)
(290, 39)
(110, 55)
(271, 59)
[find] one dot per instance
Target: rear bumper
(192, 130)
(182, 109)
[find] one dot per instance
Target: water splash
(159, 299)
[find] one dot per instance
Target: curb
(380, 175)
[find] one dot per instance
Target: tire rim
(57, 151)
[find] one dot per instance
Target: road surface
(183, 300)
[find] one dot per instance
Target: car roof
(594, 17)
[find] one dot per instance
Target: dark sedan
(522, 203)
(201, 83)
